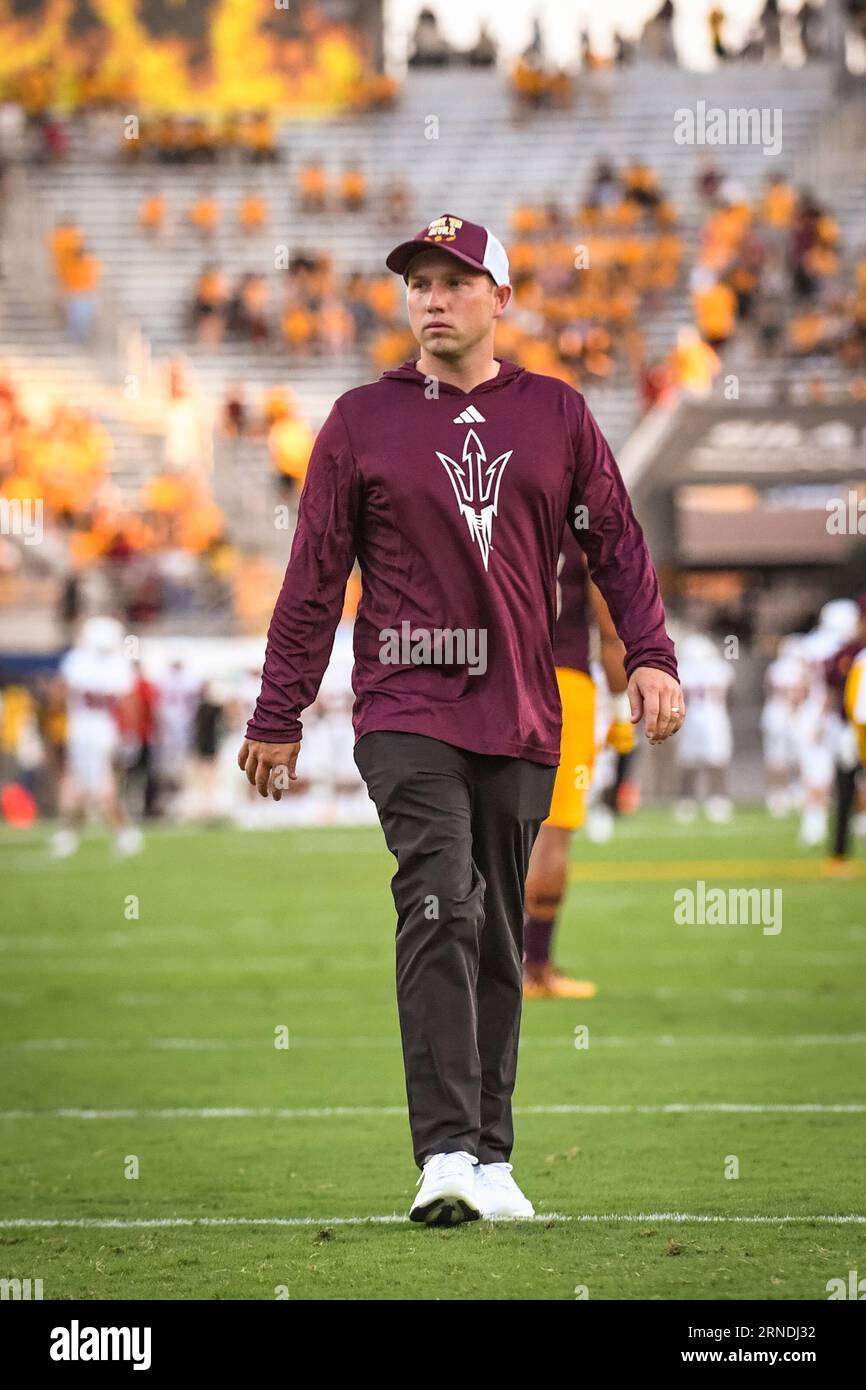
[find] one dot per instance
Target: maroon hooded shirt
(454, 503)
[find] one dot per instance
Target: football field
(203, 1097)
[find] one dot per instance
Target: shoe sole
(445, 1211)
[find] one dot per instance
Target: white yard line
(96, 1223)
(268, 1112)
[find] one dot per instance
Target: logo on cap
(444, 228)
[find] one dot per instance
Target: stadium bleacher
(484, 168)
(493, 160)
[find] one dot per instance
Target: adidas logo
(469, 416)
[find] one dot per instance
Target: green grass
(239, 934)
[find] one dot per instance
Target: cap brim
(402, 256)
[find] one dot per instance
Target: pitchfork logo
(476, 487)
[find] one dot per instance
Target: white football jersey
(705, 738)
(178, 696)
(95, 682)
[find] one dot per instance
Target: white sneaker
(719, 809)
(501, 1198)
(129, 840)
(64, 843)
(599, 824)
(449, 1193)
(813, 827)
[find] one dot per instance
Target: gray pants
(461, 826)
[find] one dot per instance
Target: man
(178, 690)
(99, 683)
(451, 479)
(818, 723)
(784, 687)
(847, 734)
(576, 602)
(855, 694)
(143, 728)
(706, 748)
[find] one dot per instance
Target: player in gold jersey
(578, 604)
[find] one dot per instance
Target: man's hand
(657, 698)
(269, 766)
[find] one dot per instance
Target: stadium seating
(485, 161)
(469, 168)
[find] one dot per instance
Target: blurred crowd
(574, 310)
(319, 313)
(106, 736)
(78, 274)
(769, 263)
(118, 64)
(164, 551)
(539, 81)
(590, 268)
(249, 137)
(582, 275)
(812, 724)
(276, 420)
(317, 190)
(814, 727)
(62, 459)
(776, 263)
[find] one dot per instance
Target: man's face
(452, 306)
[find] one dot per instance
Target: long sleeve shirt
(454, 504)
